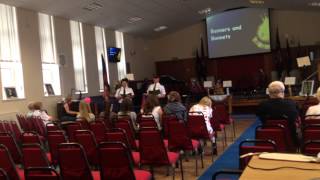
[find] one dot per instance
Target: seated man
(279, 108)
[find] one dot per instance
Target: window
(101, 49)
(122, 64)
(10, 63)
(79, 63)
(50, 67)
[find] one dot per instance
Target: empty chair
(31, 138)
(34, 156)
(88, 142)
(38, 126)
(311, 147)
(153, 151)
(40, 173)
(147, 120)
(16, 131)
(254, 146)
(224, 117)
(7, 140)
(4, 175)
(130, 133)
(52, 127)
(74, 164)
(179, 139)
(116, 163)
(7, 164)
(98, 128)
(119, 135)
(166, 118)
(311, 132)
(54, 139)
(274, 133)
(71, 128)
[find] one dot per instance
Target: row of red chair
(11, 127)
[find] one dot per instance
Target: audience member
(39, 112)
(152, 107)
(314, 111)
(156, 88)
(124, 91)
(30, 109)
(175, 107)
(67, 114)
(205, 107)
(126, 109)
(85, 112)
(276, 107)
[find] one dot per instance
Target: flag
(106, 87)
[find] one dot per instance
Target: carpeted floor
(229, 159)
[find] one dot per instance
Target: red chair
(84, 123)
(52, 127)
(4, 175)
(310, 120)
(274, 133)
(154, 153)
(311, 132)
(74, 164)
(224, 117)
(119, 135)
(88, 142)
(178, 139)
(166, 118)
(130, 133)
(71, 128)
(147, 120)
(198, 129)
(7, 140)
(2, 128)
(21, 122)
(98, 128)
(7, 127)
(38, 126)
(7, 164)
(311, 147)
(253, 146)
(16, 131)
(31, 137)
(125, 118)
(40, 173)
(34, 156)
(116, 163)
(54, 139)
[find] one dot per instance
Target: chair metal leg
(152, 173)
(173, 172)
(181, 169)
(225, 138)
(197, 154)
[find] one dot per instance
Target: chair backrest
(98, 128)
(284, 123)
(4, 175)
(311, 132)
(178, 136)
(309, 120)
(166, 118)
(129, 131)
(52, 127)
(84, 123)
(21, 121)
(311, 147)
(196, 125)
(2, 128)
(34, 156)
(88, 142)
(7, 140)
(274, 133)
(253, 146)
(115, 161)
(71, 128)
(7, 127)
(221, 111)
(30, 137)
(7, 164)
(54, 139)
(40, 173)
(39, 125)
(119, 135)
(73, 162)
(16, 130)
(152, 149)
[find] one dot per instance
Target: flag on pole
(106, 87)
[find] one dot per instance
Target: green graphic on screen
(262, 37)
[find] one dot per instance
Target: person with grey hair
(277, 107)
(314, 111)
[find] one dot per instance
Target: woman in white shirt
(204, 106)
(314, 111)
(152, 106)
(124, 91)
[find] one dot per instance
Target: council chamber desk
(266, 169)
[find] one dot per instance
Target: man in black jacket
(279, 108)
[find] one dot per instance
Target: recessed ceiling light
(206, 11)
(160, 28)
(93, 6)
(256, 1)
(134, 19)
(314, 4)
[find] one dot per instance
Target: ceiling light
(205, 11)
(93, 6)
(160, 28)
(134, 19)
(314, 4)
(256, 1)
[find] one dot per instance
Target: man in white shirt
(156, 88)
(124, 91)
